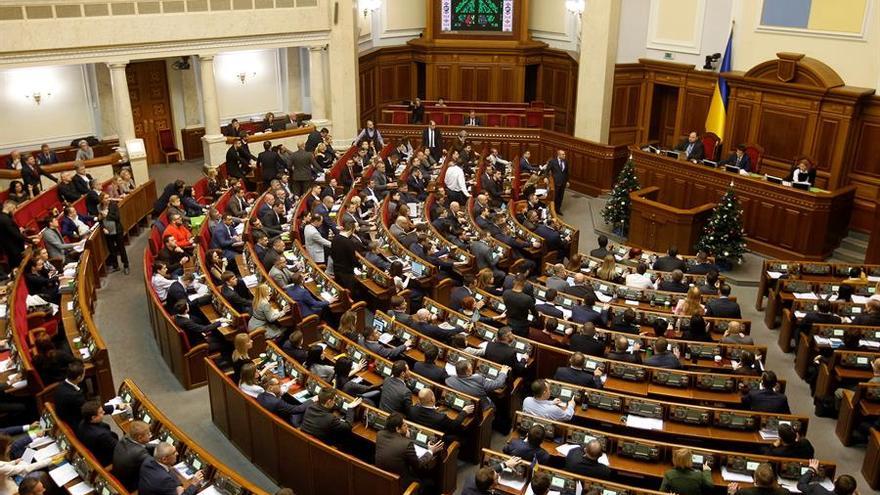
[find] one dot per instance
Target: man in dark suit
(428, 368)
(693, 147)
(626, 322)
(701, 265)
(789, 444)
(472, 120)
(723, 307)
(396, 394)
(158, 477)
(130, 453)
(319, 420)
(425, 413)
(710, 286)
(576, 373)
(315, 138)
(47, 156)
(343, 252)
(239, 298)
(558, 168)
(501, 351)
(579, 288)
(548, 307)
(274, 219)
(270, 162)
(585, 461)
(739, 158)
(670, 262)
(432, 139)
(809, 483)
(766, 398)
(587, 341)
(196, 332)
(871, 316)
(601, 251)
(69, 397)
(584, 313)
(95, 434)
(673, 283)
(396, 453)
(493, 186)
(519, 306)
(301, 165)
(662, 358)
(821, 315)
(234, 163)
(619, 353)
(529, 448)
(271, 400)
(12, 241)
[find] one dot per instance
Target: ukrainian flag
(718, 109)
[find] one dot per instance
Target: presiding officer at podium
(693, 147)
(738, 158)
(803, 172)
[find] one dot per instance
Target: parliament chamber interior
(401, 247)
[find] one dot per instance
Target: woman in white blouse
(248, 383)
(10, 469)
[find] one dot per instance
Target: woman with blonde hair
(265, 313)
(576, 262)
(240, 354)
(876, 295)
(249, 381)
(348, 325)
(485, 280)
(684, 479)
(128, 184)
(690, 305)
(607, 270)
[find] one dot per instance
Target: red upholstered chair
(536, 104)
(755, 153)
(456, 119)
(438, 117)
(493, 120)
(711, 145)
(513, 121)
(399, 118)
(166, 144)
(534, 118)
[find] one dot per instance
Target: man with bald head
(156, 476)
(736, 335)
(580, 288)
(130, 453)
(556, 278)
(301, 164)
(585, 461)
(424, 322)
(67, 189)
(481, 204)
(426, 414)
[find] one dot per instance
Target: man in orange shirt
(179, 231)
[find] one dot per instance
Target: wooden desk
(655, 225)
(779, 221)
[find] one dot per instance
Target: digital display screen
(751, 466)
(476, 15)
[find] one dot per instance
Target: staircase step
(848, 256)
(854, 244)
(853, 234)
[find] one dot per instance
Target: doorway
(531, 83)
(664, 108)
(150, 104)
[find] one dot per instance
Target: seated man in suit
(766, 398)
(396, 394)
(238, 204)
(673, 283)
(95, 434)
(173, 255)
(69, 396)
(723, 307)
(621, 351)
(693, 147)
(197, 332)
(585, 461)
(540, 405)
(576, 373)
(275, 251)
(670, 262)
(871, 316)
(710, 286)
(702, 265)
(238, 297)
(810, 483)
(375, 256)
(158, 476)
(223, 237)
(371, 342)
(396, 453)
(548, 307)
(475, 384)
(662, 358)
(130, 453)
(308, 304)
(739, 158)
(425, 413)
(601, 251)
(271, 400)
(529, 448)
(502, 351)
(274, 220)
(587, 313)
(67, 190)
(319, 420)
(587, 341)
(428, 368)
(626, 322)
(790, 444)
(544, 335)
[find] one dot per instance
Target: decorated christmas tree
(724, 236)
(617, 209)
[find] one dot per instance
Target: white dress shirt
(455, 180)
(161, 284)
(638, 281)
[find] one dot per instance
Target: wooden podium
(657, 226)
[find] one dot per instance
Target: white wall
(259, 94)
(61, 116)
(552, 23)
(395, 23)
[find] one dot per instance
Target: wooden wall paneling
(507, 83)
(192, 142)
(783, 133)
(483, 85)
(268, 455)
(387, 83)
(150, 103)
(626, 104)
(443, 80)
(239, 424)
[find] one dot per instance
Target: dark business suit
(436, 420)
(808, 484)
(156, 480)
(521, 448)
(590, 346)
(277, 406)
(766, 401)
(437, 148)
(47, 158)
(578, 463)
(430, 371)
(579, 291)
(504, 354)
(99, 439)
(396, 396)
(234, 163)
(69, 401)
(197, 333)
(743, 162)
(867, 319)
(696, 152)
(237, 301)
(582, 377)
(271, 164)
(127, 459)
(320, 422)
(666, 360)
(723, 308)
(559, 171)
(397, 454)
(670, 263)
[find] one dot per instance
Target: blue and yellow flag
(718, 109)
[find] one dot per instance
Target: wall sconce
(37, 96)
(368, 6)
(242, 76)
(576, 7)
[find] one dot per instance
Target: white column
(343, 69)
(128, 140)
(213, 142)
(317, 83)
(600, 25)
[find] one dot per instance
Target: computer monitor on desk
(805, 186)
(710, 163)
(732, 168)
(675, 155)
(773, 179)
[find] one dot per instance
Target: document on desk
(40, 441)
(737, 477)
(327, 296)
(800, 314)
(805, 295)
(512, 482)
(63, 474)
(446, 326)
(421, 451)
(81, 488)
(874, 278)
(859, 299)
(386, 338)
(631, 303)
(250, 281)
(47, 452)
(769, 434)
(450, 369)
(643, 423)
(210, 490)
(603, 298)
(565, 448)
(239, 229)
(774, 275)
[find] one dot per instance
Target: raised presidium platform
(779, 220)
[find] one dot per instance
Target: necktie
(562, 165)
(689, 148)
(431, 138)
